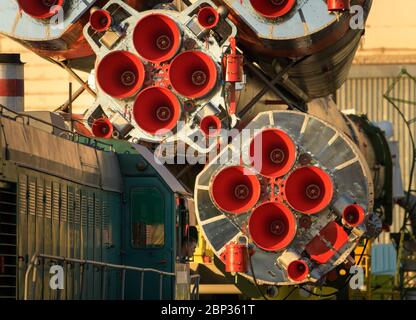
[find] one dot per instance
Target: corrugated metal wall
(363, 92)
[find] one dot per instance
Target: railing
(65, 134)
(34, 262)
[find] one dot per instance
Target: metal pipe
(123, 284)
(141, 285)
(161, 286)
(104, 282)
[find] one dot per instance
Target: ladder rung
(7, 192)
(8, 224)
(8, 203)
(8, 213)
(7, 234)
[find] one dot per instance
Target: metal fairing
(326, 40)
(59, 37)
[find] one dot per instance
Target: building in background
(46, 84)
(388, 47)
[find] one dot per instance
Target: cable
(412, 140)
(294, 288)
(346, 282)
(254, 277)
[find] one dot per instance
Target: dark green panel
(8, 240)
(84, 243)
(90, 245)
(112, 241)
(63, 233)
(48, 236)
(22, 233)
(40, 235)
(70, 241)
(55, 226)
(150, 227)
(97, 245)
(31, 220)
(78, 243)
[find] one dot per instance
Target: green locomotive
(104, 212)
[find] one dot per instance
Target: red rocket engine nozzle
(156, 38)
(308, 190)
(273, 153)
(210, 126)
(338, 5)
(298, 270)
(235, 189)
(272, 226)
(156, 110)
(335, 237)
(41, 9)
(273, 8)
(120, 74)
(102, 128)
(100, 20)
(208, 17)
(193, 74)
(353, 215)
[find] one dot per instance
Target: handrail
(74, 136)
(35, 261)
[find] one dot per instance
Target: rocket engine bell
(53, 28)
(299, 188)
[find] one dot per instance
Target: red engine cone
(102, 128)
(353, 215)
(272, 226)
(120, 74)
(208, 17)
(193, 74)
(41, 9)
(335, 237)
(273, 153)
(273, 8)
(156, 38)
(338, 5)
(210, 126)
(100, 20)
(235, 189)
(156, 110)
(308, 190)
(298, 270)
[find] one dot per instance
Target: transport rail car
(104, 202)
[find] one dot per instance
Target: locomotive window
(148, 218)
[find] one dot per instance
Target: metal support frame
(272, 85)
(405, 230)
(77, 94)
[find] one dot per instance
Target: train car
(101, 211)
